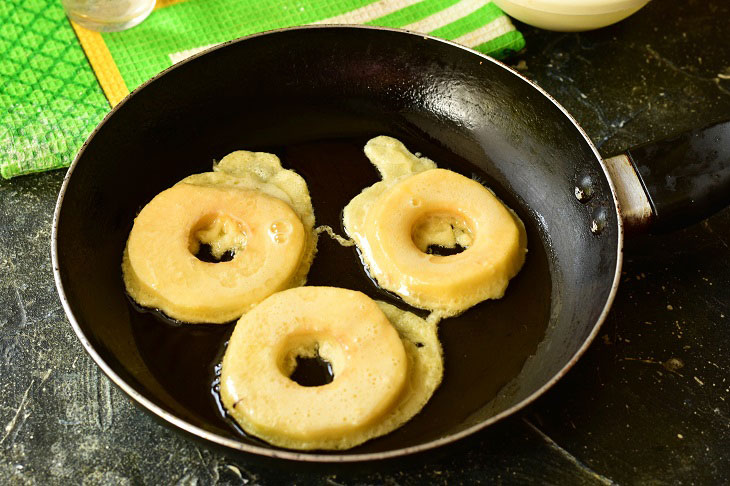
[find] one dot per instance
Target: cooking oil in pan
(484, 348)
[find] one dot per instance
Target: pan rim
(334, 458)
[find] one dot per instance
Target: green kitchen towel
(49, 98)
(55, 103)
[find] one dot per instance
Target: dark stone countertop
(649, 403)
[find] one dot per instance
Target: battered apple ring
(380, 381)
(162, 271)
(396, 220)
(250, 207)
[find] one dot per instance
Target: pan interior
(314, 97)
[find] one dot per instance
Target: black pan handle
(683, 179)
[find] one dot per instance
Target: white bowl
(570, 15)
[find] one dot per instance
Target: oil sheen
(484, 348)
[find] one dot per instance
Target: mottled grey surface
(647, 404)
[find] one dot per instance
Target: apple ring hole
(217, 238)
(311, 360)
(205, 254)
(442, 234)
(312, 371)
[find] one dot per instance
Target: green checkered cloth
(51, 99)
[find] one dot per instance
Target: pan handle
(675, 182)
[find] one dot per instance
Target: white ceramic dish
(570, 15)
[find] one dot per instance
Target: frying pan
(314, 96)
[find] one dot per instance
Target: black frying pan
(314, 96)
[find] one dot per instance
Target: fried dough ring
(389, 239)
(162, 271)
(347, 329)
